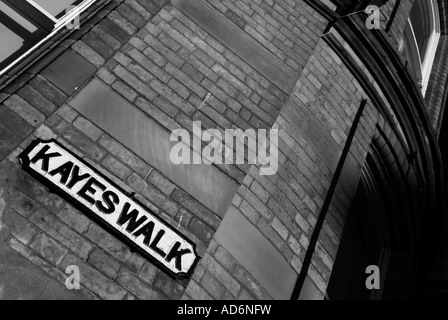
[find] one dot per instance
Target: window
(53, 8)
(27, 24)
(421, 38)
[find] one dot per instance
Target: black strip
(46, 53)
(14, 26)
(29, 39)
(32, 14)
(63, 13)
(320, 221)
(392, 16)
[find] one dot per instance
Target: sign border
(53, 188)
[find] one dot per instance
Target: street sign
(116, 210)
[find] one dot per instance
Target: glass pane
(56, 8)
(10, 41)
(422, 24)
(17, 17)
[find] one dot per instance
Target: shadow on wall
(20, 279)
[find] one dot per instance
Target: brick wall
(435, 97)
(47, 230)
(285, 207)
(254, 64)
(402, 10)
(165, 63)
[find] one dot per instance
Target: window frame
(431, 48)
(39, 18)
(424, 68)
(411, 46)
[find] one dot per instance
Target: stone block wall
(229, 64)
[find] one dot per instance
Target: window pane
(10, 41)
(17, 17)
(56, 8)
(422, 24)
